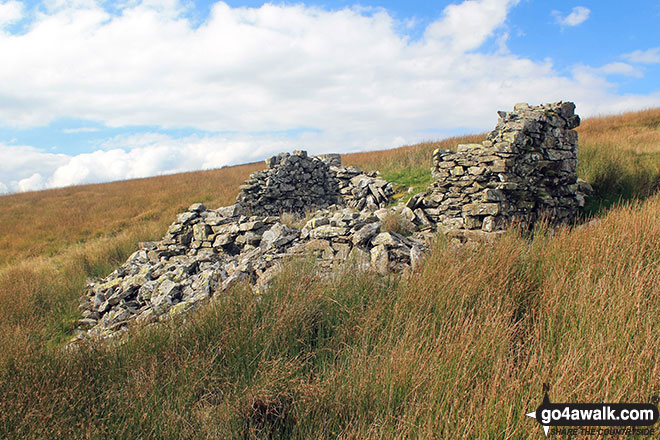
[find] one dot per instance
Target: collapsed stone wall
(206, 251)
(525, 169)
(299, 183)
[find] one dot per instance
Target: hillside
(459, 349)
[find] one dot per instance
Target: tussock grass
(396, 222)
(457, 349)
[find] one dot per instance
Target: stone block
(473, 209)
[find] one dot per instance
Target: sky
(96, 91)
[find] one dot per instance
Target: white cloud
(619, 68)
(21, 162)
(467, 25)
(245, 69)
(578, 15)
(80, 130)
(649, 56)
(32, 183)
(143, 156)
(347, 74)
(10, 12)
(150, 154)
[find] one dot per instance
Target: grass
(619, 156)
(458, 349)
(396, 222)
(45, 223)
(406, 167)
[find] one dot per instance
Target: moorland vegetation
(459, 348)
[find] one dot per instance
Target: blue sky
(94, 91)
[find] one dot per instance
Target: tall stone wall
(525, 169)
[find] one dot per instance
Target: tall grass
(620, 157)
(457, 349)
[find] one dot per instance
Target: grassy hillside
(45, 223)
(458, 349)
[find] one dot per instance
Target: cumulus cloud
(467, 25)
(10, 12)
(649, 56)
(253, 69)
(347, 77)
(34, 182)
(20, 164)
(150, 154)
(578, 15)
(141, 156)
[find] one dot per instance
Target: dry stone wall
(290, 183)
(300, 183)
(525, 169)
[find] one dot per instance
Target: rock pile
(299, 183)
(290, 183)
(525, 169)
(206, 251)
(362, 190)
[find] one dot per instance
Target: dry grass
(457, 349)
(620, 156)
(637, 131)
(397, 222)
(46, 222)
(411, 156)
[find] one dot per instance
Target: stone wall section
(290, 183)
(525, 169)
(361, 190)
(300, 183)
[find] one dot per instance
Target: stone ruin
(207, 251)
(524, 170)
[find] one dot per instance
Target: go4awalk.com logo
(601, 419)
